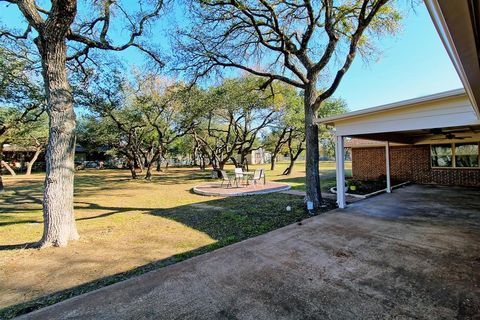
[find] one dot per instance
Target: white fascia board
(391, 106)
(442, 29)
(398, 125)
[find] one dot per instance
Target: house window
(441, 155)
(466, 155)
(455, 155)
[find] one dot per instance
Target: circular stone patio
(215, 189)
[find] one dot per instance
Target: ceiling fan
(451, 136)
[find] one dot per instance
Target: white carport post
(340, 162)
(387, 165)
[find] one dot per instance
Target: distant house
(18, 157)
(80, 153)
(99, 154)
(259, 156)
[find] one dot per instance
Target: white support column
(387, 165)
(340, 162)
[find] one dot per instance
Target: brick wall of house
(368, 163)
(408, 163)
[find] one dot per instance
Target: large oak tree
(64, 31)
(309, 44)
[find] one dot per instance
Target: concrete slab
(414, 253)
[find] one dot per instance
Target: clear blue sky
(412, 64)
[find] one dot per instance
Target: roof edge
(394, 105)
(443, 31)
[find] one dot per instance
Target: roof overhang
(441, 110)
(458, 24)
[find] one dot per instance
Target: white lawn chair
(226, 179)
(239, 176)
(257, 176)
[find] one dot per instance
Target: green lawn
(127, 228)
(297, 178)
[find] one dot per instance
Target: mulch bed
(369, 186)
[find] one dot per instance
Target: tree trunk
(195, 156)
(148, 174)
(288, 170)
(221, 165)
(2, 187)
(32, 161)
(131, 166)
(159, 165)
(138, 163)
(272, 161)
(156, 159)
(312, 182)
(245, 165)
(7, 166)
(293, 159)
(59, 220)
(235, 162)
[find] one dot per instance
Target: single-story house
(258, 156)
(18, 156)
(430, 139)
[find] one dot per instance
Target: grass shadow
(226, 220)
(48, 300)
(20, 246)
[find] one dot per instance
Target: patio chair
(226, 179)
(239, 175)
(257, 176)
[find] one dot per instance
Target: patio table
(247, 175)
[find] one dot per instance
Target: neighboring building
(17, 157)
(259, 156)
(99, 154)
(80, 154)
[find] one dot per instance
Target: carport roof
(392, 106)
(442, 110)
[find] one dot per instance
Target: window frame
(453, 146)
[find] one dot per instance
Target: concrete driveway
(414, 253)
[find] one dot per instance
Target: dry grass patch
(127, 228)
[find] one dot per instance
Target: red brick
(408, 163)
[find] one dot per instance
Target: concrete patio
(414, 253)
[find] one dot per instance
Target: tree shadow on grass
(50, 299)
(226, 220)
(20, 246)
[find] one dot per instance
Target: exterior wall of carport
(408, 163)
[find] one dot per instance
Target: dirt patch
(127, 227)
